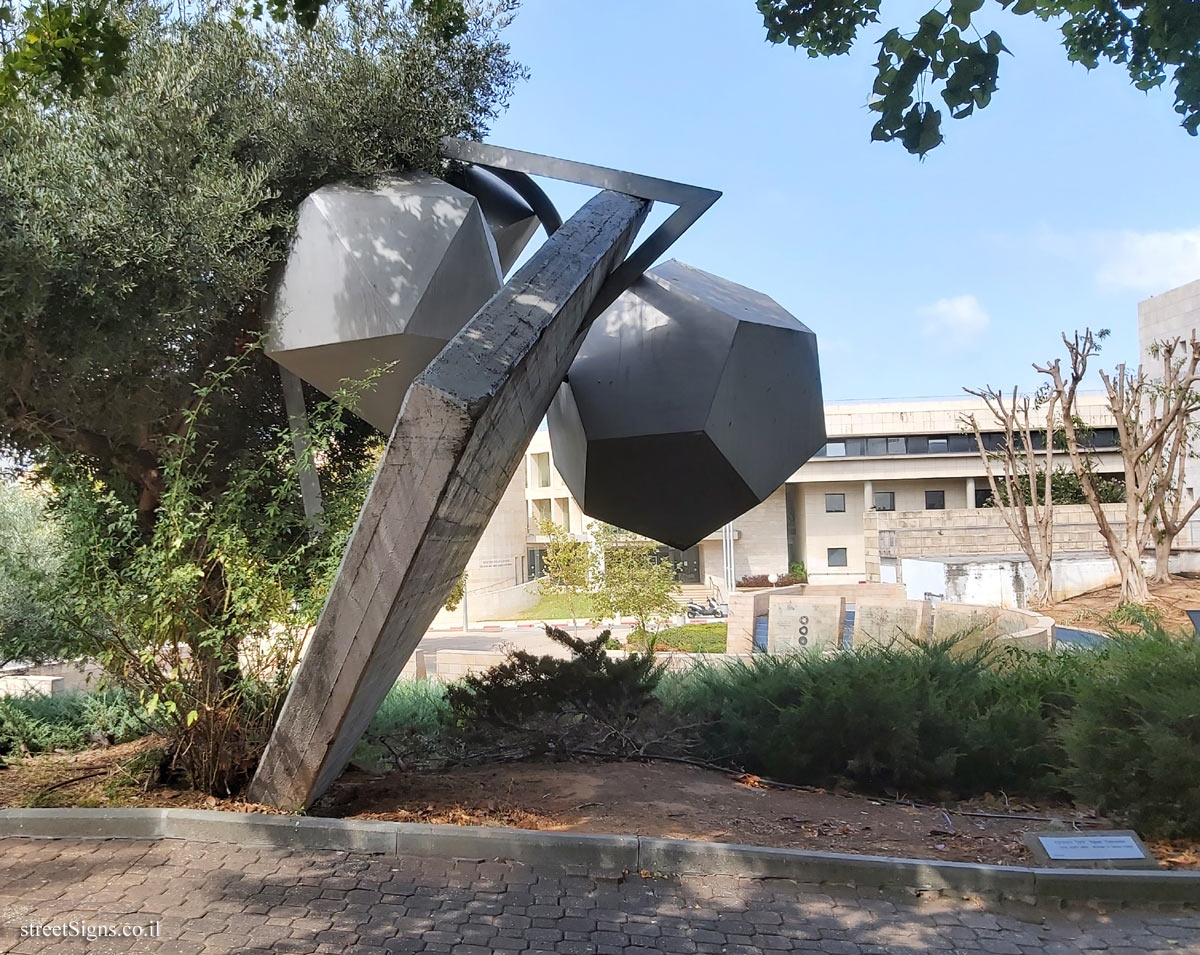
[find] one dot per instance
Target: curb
(608, 853)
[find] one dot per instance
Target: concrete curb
(608, 853)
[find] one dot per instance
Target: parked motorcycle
(711, 609)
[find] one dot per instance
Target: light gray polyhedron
(380, 277)
(692, 400)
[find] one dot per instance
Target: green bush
(31, 544)
(41, 724)
(915, 719)
(589, 683)
(1133, 742)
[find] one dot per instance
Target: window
(540, 515)
(938, 445)
(835, 449)
(835, 556)
(983, 497)
(562, 513)
(536, 557)
(935, 500)
(917, 444)
(895, 445)
(835, 503)
(885, 500)
(856, 446)
(539, 469)
(876, 445)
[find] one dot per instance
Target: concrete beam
(460, 436)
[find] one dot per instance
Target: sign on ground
(1118, 849)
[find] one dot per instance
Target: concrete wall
(52, 679)
(451, 665)
(975, 624)
(1008, 581)
(974, 531)
(491, 605)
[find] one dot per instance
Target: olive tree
(140, 232)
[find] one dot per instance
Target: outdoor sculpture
(692, 399)
(384, 276)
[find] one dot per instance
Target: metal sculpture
(692, 400)
(407, 276)
(461, 429)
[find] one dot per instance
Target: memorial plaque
(796, 623)
(1113, 849)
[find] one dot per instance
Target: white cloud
(959, 321)
(1127, 260)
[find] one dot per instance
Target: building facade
(883, 457)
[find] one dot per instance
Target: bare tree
(1178, 400)
(1019, 474)
(1152, 420)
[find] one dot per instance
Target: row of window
(943, 444)
(885, 501)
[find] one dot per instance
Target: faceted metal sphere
(380, 277)
(692, 400)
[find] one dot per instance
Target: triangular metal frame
(691, 201)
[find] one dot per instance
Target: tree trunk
(1134, 588)
(1162, 555)
(1044, 569)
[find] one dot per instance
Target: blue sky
(1069, 199)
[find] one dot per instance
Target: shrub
(201, 616)
(799, 571)
(761, 580)
(31, 629)
(917, 719)
(1133, 742)
(589, 683)
(40, 724)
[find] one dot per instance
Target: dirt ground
(684, 802)
(653, 799)
(1086, 610)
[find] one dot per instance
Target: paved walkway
(226, 899)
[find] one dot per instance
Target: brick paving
(229, 899)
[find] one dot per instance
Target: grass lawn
(556, 607)
(690, 638)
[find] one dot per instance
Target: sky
(1063, 204)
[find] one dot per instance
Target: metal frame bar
(691, 201)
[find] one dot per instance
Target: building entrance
(685, 562)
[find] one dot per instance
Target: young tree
(572, 564)
(1021, 475)
(634, 582)
(1152, 418)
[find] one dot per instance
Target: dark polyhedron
(692, 400)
